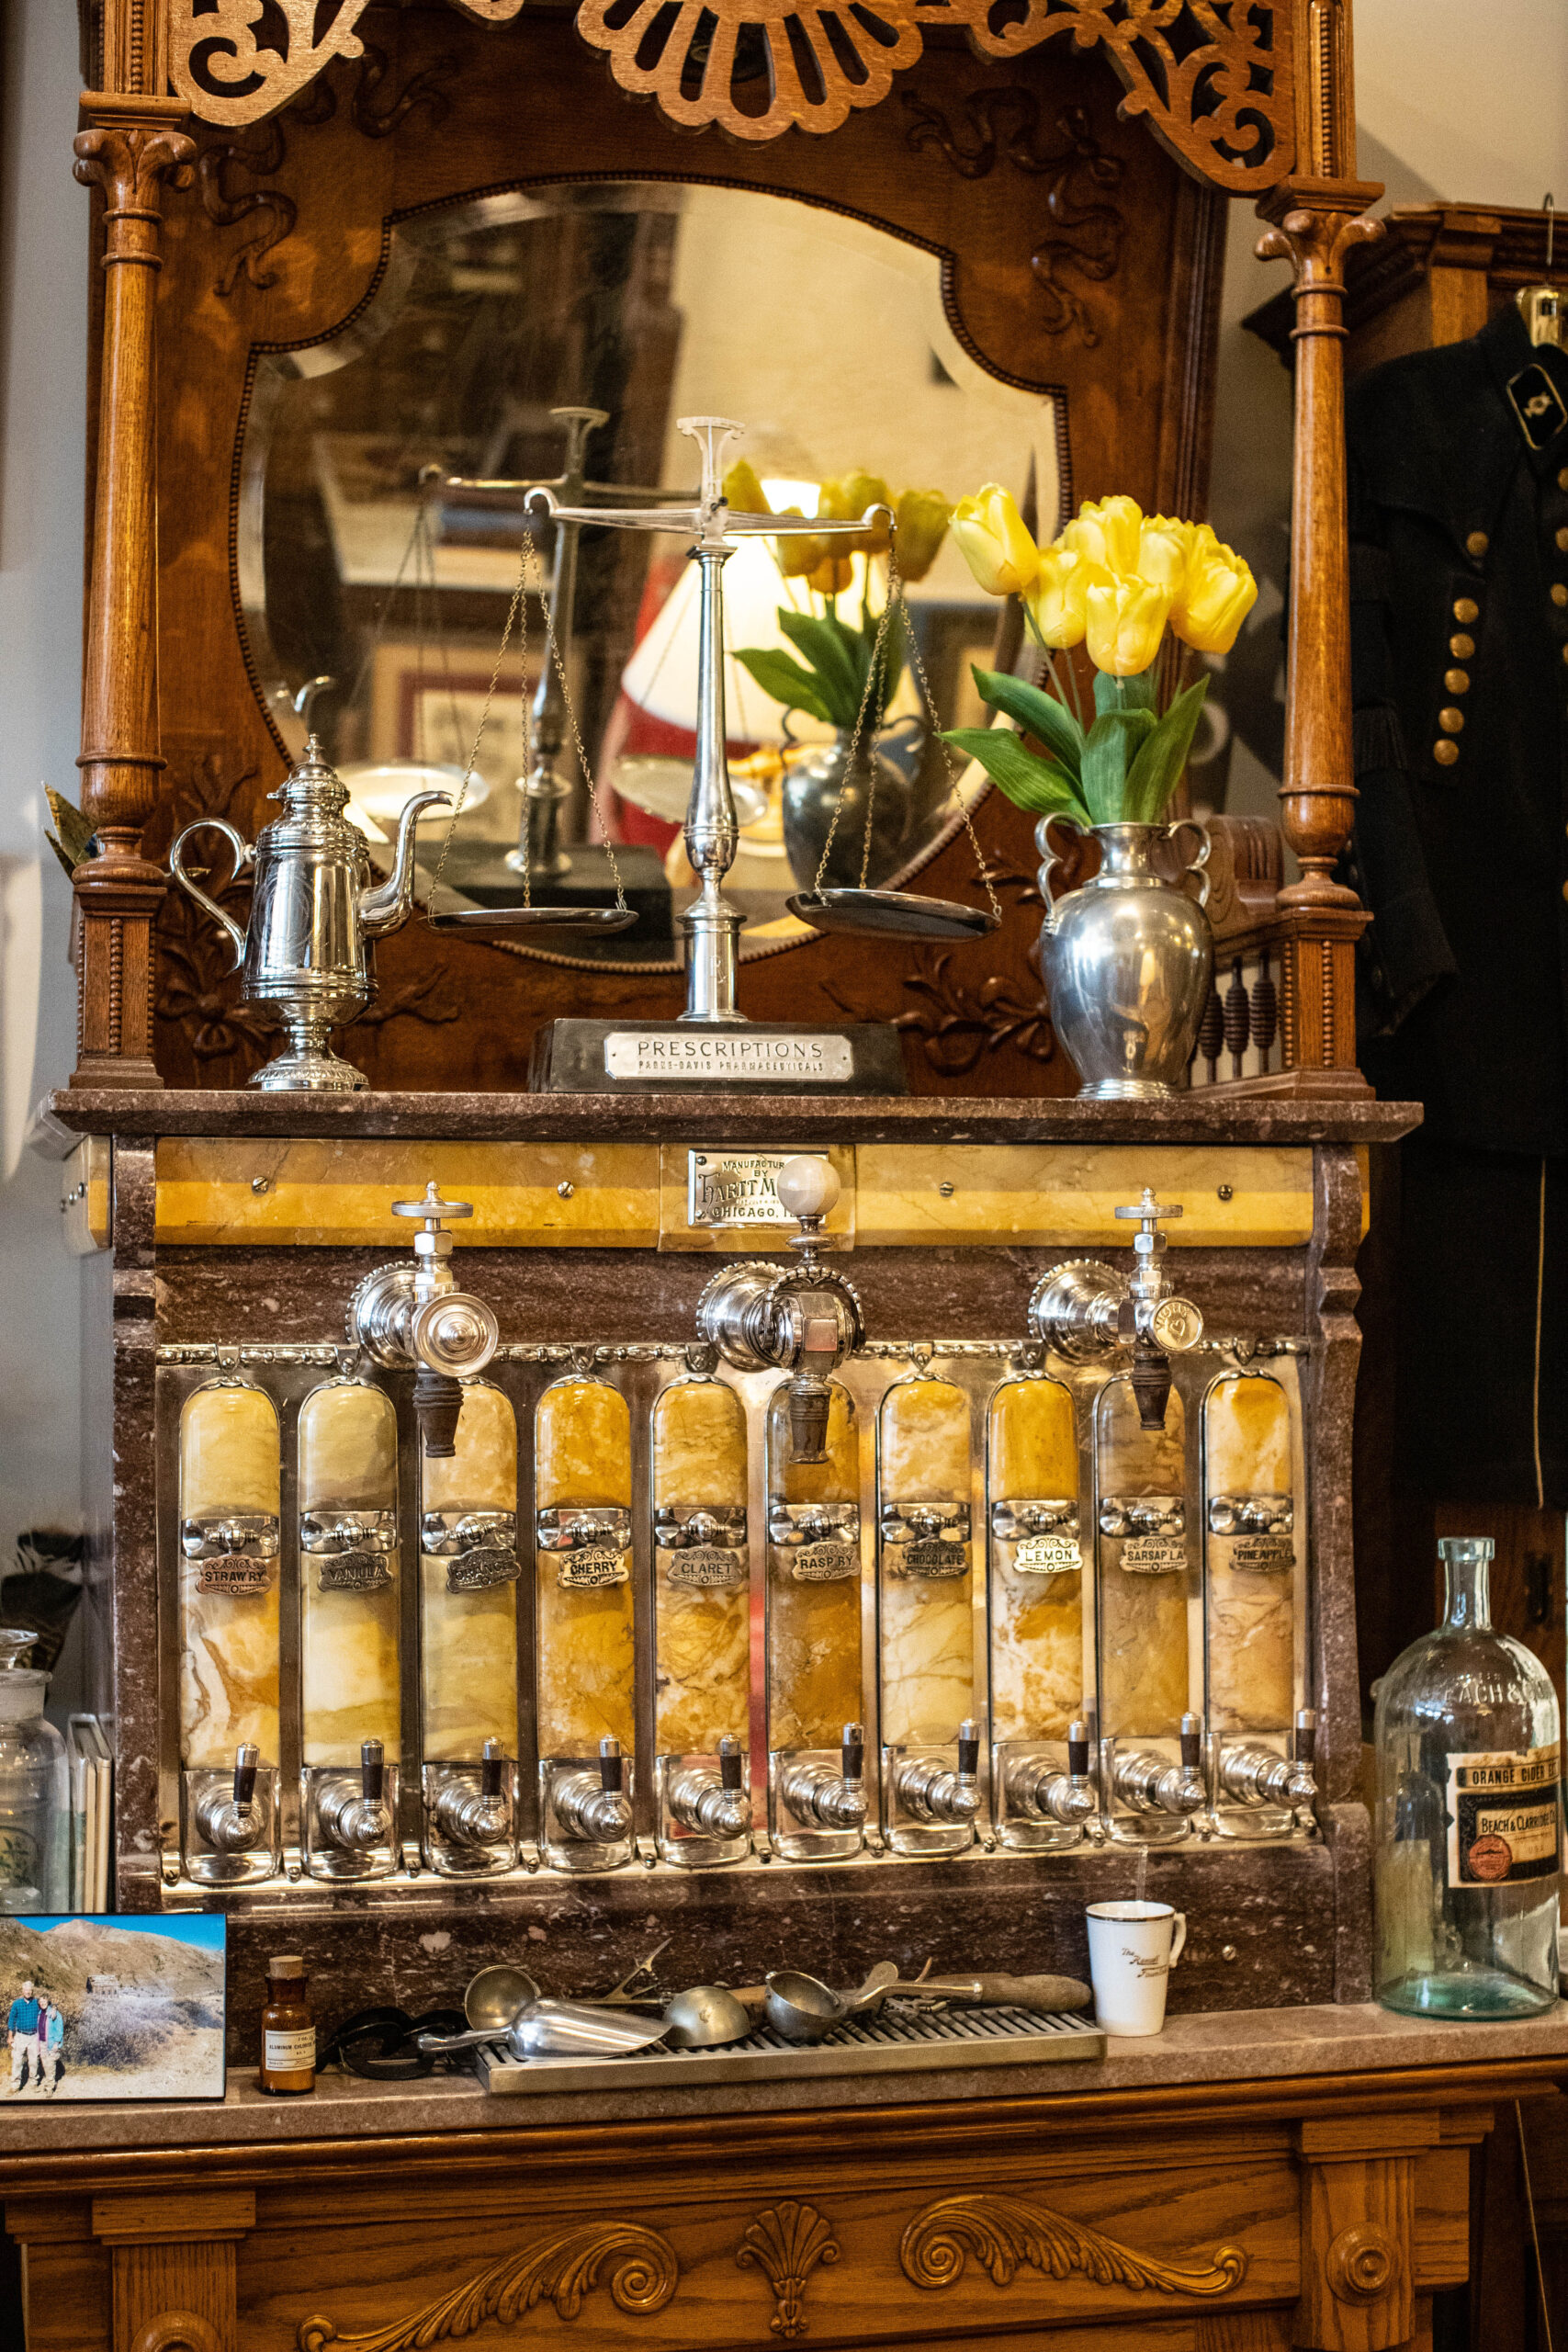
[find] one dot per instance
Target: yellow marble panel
(229, 1460)
(1251, 1615)
(814, 1629)
(348, 1449)
(1036, 1620)
(702, 1632)
(351, 1684)
(924, 1452)
(468, 1640)
(586, 1660)
(925, 1623)
(1143, 1680)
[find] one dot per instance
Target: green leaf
(1113, 741)
(1027, 780)
(1036, 712)
(830, 651)
(1157, 770)
(798, 689)
(73, 835)
(1124, 694)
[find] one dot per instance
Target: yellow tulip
(1216, 597)
(859, 490)
(831, 573)
(997, 548)
(922, 517)
(1108, 532)
(743, 491)
(1055, 601)
(1165, 549)
(1125, 622)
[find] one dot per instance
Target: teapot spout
(383, 908)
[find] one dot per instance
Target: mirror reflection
(556, 338)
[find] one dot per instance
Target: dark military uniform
(1459, 526)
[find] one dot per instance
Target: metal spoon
(704, 2018)
(496, 1994)
(802, 2008)
(547, 2028)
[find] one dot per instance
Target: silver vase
(825, 778)
(1126, 959)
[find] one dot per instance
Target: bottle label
(290, 2053)
(1503, 1818)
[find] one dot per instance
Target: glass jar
(35, 1784)
(1468, 1806)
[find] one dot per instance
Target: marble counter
(1207, 2047)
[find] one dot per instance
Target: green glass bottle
(1468, 1815)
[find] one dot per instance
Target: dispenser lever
(416, 1317)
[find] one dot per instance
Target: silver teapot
(315, 910)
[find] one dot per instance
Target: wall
(43, 321)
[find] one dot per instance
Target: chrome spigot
(231, 1821)
(1258, 1776)
(1036, 1786)
(820, 1798)
(929, 1790)
(597, 1810)
(804, 1320)
(711, 1807)
(479, 1818)
(1086, 1310)
(358, 1821)
(1148, 1783)
(415, 1316)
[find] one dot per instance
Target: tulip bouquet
(1113, 581)
(833, 680)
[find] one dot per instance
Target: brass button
(1450, 721)
(1466, 609)
(1562, 478)
(1559, 593)
(1565, 653)
(1445, 752)
(1458, 681)
(1565, 889)
(1477, 545)
(1561, 538)
(1461, 646)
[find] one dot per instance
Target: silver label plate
(820, 1563)
(925, 1559)
(721, 1059)
(586, 1571)
(1047, 1555)
(1255, 1555)
(706, 1569)
(354, 1572)
(1150, 1556)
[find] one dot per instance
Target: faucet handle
(808, 1190)
(851, 1759)
(1077, 1749)
(492, 1765)
(435, 1211)
(372, 1770)
(1148, 1211)
(247, 1756)
(610, 1764)
(968, 1749)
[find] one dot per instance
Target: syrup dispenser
(415, 1317)
(817, 1799)
(931, 1784)
(1262, 1746)
(1151, 1746)
(1087, 1311)
(350, 1603)
(468, 1613)
(1042, 1792)
(585, 1667)
(701, 1618)
(230, 1540)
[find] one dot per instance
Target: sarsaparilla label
(240, 1579)
(704, 1568)
(1503, 1816)
(818, 1562)
(1150, 1556)
(926, 1558)
(355, 1572)
(486, 1565)
(587, 1570)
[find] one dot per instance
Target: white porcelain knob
(806, 1186)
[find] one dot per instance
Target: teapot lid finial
(312, 784)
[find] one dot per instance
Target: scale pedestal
(577, 1056)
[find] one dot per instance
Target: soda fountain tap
(1086, 1310)
(713, 1808)
(231, 1821)
(354, 1812)
(415, 1316)
(1150, 1784)
(1258, 1776)
(819, 1798)
(595, 1810)
(1038, 1788)
(478, 1817)
(929, 1790)
(804, 1320)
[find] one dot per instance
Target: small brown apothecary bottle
(289, 2030)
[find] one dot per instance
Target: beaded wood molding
(1215, 83)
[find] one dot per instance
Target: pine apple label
(1503, 1818)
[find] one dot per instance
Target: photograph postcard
(102, 2007)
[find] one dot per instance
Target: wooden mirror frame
(956, 136)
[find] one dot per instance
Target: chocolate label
(355, 1572)
(930, 1559)
(475, 1571)
(1047, 1555)
(1259, 1555)
(240, 1577)
(1503, 1818)
(586, 1570)
(820, 1563)
(706, 1569)
(1152, 1555)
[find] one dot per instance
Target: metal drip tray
(920, 2042)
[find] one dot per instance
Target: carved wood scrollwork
(1004, 2233)
(787, 2242)
(643, 2275)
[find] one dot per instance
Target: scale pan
(890, 914)
(601, 919)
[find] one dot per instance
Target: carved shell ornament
(1214, 80)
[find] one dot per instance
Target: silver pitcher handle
(1053, 862)
(1199, 864)
(241, 859)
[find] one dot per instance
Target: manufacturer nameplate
(823, 1563)
(240, 1579)
(586, 1571)
(704, 1570)
(1152, 1555)
(1047, 1556)
(476, 1571)
(931, 1560)
(354, 1572)
(725, 1058)
(737, 1187)
(1259, 1556)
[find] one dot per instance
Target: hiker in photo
(51, 2044)
(22, 2025)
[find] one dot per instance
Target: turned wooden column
(130, 147)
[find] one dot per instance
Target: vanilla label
(1503, 1816)
(355, 1572)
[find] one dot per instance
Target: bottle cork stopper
(286, 1964)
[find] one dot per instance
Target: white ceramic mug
(1132, 1947)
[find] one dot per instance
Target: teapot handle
(1052, 860)
(1199, 864)
(241, 859)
